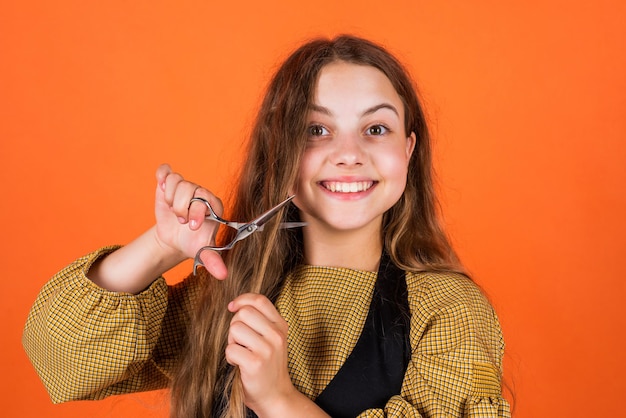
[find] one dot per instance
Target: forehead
(342, 83)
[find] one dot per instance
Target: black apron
(375, 369)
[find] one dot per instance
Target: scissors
(244, 230)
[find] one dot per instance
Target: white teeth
(354, 187)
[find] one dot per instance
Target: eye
(317, 130)
(376, 130)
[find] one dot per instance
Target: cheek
(306, 175)
(398, 181)
(394, 165)
(309, 166)
(303, 175)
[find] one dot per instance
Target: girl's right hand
(179, 233)
(180, 227)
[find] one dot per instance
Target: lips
(347, 187)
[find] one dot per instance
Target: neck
(355, 249)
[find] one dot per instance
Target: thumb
(214, 264)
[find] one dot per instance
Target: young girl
(365, 311)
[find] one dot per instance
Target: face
(355, 164)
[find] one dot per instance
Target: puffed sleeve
(457, 349)
(88, 343)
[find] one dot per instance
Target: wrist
(165, 255)
(133, 267)
(290, 404)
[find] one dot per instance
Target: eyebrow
(373, 109)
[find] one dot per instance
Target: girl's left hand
(257, 343)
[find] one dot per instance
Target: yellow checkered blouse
(89, 343)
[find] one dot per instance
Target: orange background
(527, 102)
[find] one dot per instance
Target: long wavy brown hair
(205, 384)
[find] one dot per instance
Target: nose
(348, 150)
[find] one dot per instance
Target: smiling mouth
(351, 187)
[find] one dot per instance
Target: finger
(214, 264)
(198, 210)
(182, 196)
(237, 355)
(263, 341)
(269, 331)
(253, 318)
(259, 302)
(171, 184)
(246, 336)
(162, 171)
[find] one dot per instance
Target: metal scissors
(244, 230)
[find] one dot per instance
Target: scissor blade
(261, 220)
(288, 225)
(282, 225)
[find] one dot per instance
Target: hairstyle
(411, 232)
